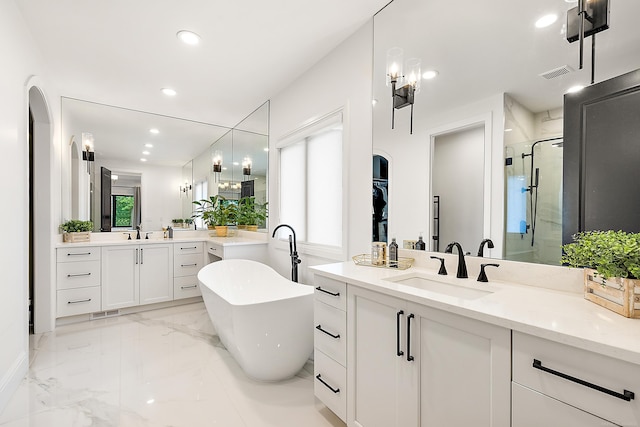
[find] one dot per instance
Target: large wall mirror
(154, 163)
(479, 153)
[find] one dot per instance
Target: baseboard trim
(12, 379)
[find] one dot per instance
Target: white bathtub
(264, 320)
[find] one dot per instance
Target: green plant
(177, 221)
(76, 225)
(250, 212)
(188, 221)
(216, 210)
(611, 253)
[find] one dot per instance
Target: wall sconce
(186, 187)
(87, 147)
(217, 163)
(404, 95)
(246, 166)
(587, 19)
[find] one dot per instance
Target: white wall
(22, 67)
(160, 191)
(340, 80)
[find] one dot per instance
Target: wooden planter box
(76, 237)
(616, 294)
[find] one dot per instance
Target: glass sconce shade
(394, 66)
(413, 74)
(217, 161)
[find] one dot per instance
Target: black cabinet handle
(335, 390)
(398, 351)
(409, 356)
(327, 292)
(79, 275)
(188, 287)
(190, 247)
(188, 265)
(141, 256)
(319, 327)
(80, 254)
(626, 395)
(79, 301)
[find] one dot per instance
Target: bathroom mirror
(122, 138)
(501, 74)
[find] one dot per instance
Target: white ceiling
(123, 52)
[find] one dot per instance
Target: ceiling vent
(556, 72)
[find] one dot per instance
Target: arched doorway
(41, 297)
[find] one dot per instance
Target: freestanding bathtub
(264, 320)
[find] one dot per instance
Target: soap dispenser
(393, 253)
(420, 245)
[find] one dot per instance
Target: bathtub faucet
(293, 251)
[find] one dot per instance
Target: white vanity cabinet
(556, 384)
(188, 259)
(77, 280)
(410, 365)
(136, 274)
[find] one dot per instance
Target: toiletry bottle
(393, 253)
(420, 245)
(170, 230)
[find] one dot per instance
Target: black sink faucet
(489, 244)
(138, 232)
(293, 251)
(462, 265)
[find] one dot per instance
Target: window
(311, 182)
(122, 211)
(200, 192)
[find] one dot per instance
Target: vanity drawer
(78, 274)
(330, 333)
(533, 409)
(187, 265)
(331, 292)
(185, 287)
(78, 301)
(602, 371)
(85, 253)
(330, 383)
(215, 249)
(188, 248)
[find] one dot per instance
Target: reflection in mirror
(380, 198)
(126, 211)
(500, 76)
(187, 190)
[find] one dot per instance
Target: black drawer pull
(335, 390)
(79, 254)
(79, 301)
(398, 351)
(188, 265)
(626, 395)
(190, 247)
(188, 287)
(319, 327)
(337, 294)
(78, 275)
(409, 356)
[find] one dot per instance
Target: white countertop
(113, 241)
(563, 317)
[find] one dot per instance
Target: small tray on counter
(402, 264)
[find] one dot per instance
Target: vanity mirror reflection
(166, 153)
(503, 77)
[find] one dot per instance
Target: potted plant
(216, 212)
(188, 222)
(177, 222)
(250, 213)
(76, 231)
(611, 260)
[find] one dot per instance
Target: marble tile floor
(162, 368)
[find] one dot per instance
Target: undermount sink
(432, 284)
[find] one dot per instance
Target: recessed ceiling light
(546, 20)
(224, 169)
(266, 149)
(143, 159)
(236, 163)
(188, 37)
(146, 153)
(429, 74)
(508, 130)
(374, 102)
(148, 145)
(168, 91)
(114, 177)
(574, 89)
(154, 131)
